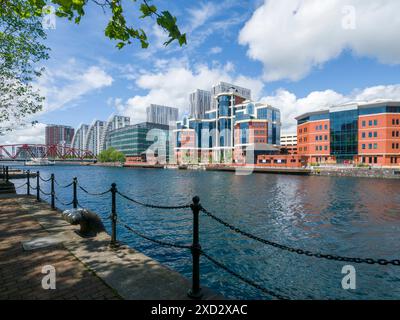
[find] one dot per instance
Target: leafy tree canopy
(119, 27)
(111, 155)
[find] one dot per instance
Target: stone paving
(86, 268)
(21, 271)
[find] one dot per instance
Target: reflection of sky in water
(346, 216)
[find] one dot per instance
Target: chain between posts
(307, 253)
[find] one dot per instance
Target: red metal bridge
(54, 152)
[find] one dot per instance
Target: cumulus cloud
(69, 83)
(215, 50)
(171, 84)
(291, 37)
(28, 134)
(292, 106)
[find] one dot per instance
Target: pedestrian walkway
(33, 236)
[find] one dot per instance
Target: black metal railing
(195, 248)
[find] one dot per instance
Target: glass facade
(224, 103)
(132, 140)
(344, 134)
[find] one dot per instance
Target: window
(370, 122)
(370, 146)
(326, 127)
(375, 159)
(363, 123)
(375, 122)
(375, 146)
(375, 134)
(369, 134)
(316, 138)
(326, 138)
(363, 135)
(397, 122)
(363, 146)
(316, 148)
(393, 121)
(326, 148)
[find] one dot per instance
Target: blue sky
(297, 55)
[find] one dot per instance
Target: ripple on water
(346, 216)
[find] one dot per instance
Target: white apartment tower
(199, 103)
(161, 114)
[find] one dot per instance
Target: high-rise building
(226, 132)
(358, 133)
(223, 87)
(161, 114)
(79, 139)
(59, 135)
(199, 103)
(94, 136)
(113, 123)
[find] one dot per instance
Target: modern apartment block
(58, 135)
(227, 132)
(161, 114)
(289, 142)
(359, 133)
(135, 140)
(114, 122)
(199, 103)
(79, 139)
(94, 136)
(223, 87)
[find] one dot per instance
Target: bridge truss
(56, 152)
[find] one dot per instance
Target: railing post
(53, 205)
(28, 183)
(195, 292)
(3, 169)
(38, 186)
(7, 176)
(75, 199)
(113, 242)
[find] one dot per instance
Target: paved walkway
(21, 270)
(86, 268)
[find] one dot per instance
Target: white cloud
(171, 84)
(199, 14)
(215, 50)
(291, 37)
(28, 134)
(292, 106)
(70, 82)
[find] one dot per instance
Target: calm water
(344, 216)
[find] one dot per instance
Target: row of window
(369, 160)
(370, 134)
(259, 140)
(321, 138)
(395, 121)
(370, 146)
(395, 134)
(303, 130)
(395, 146)
(319, 148)
(393, 160)
(370, 123)
(319, 128)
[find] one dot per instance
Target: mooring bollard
(195, 292)
(75, 195)
(113, 242)
(38, 186)
(28, 183)
(53, 203)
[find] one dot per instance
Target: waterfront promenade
(33, 236)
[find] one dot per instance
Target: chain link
(44, 180)
(45, 193)
(25, 184)
(61, 186)
(63, 203)
(307, 253)
(153, 206)
(94, 194)
(163, 243)
(246, 280)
